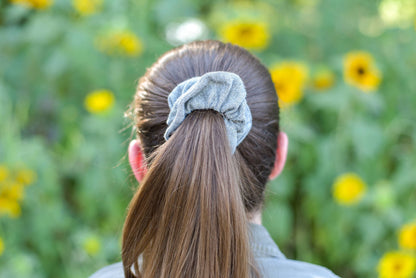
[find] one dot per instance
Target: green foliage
(50, 61)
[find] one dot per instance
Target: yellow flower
(36, 4)
(16, 191)
(289, 79)
(1, 246)
(407, 236)
(86, 7)
(92, 245)
(121, 42)
(99, 101)
(246, 33)
(323, 79)
(25, 176)
(129, 43)
(12, 191)
(396, 264)
(4, 172)
(40, 4)
(360, 71)
(348, 189)
(9, 207)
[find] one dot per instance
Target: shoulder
(272, 262)
(278, 268)
(270, 268)
(110, 271)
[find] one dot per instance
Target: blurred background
(345, 76)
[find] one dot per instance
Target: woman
(207, 122)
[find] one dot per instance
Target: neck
(255, 217)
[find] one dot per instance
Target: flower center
(246, 31)
(397, 267)
(360, 71)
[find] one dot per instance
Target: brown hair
(189, 216)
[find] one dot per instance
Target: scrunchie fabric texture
(221, 91)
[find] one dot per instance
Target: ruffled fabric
(221, 91)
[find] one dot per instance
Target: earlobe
(136, 160)
(281, 154)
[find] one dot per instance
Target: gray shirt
(270, 260)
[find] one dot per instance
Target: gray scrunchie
(221, 91)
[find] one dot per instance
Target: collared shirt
(270, 261)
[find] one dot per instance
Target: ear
(136, 159)
(281, 154)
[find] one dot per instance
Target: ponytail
(187, 218)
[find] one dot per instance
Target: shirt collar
(262, 244)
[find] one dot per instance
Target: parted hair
(189, 216)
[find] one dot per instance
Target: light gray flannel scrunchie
(221, 91)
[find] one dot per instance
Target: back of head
(189, 215)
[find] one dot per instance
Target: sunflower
(360, 71)
(348, 189)
(122, 42)
(396, 264)
(407, 236)
(35, 4)
(289, 79)
(87, 7)
(99, 101)
(323, 79)
(246, 33)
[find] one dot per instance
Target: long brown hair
(189, 216)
